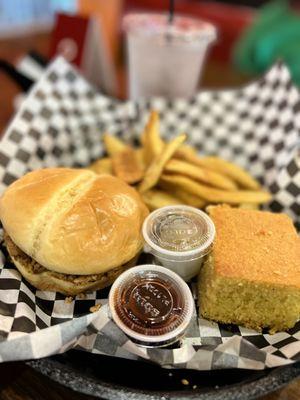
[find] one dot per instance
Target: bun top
(74, 221)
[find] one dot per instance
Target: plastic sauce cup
(152, 305)
(179, 237)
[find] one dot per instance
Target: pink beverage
(165, 59)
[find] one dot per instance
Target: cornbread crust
(252, 277)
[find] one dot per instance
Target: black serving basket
(120, 379)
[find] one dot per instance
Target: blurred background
(252, 35)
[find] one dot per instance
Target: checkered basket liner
(60, 124)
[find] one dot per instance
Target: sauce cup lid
(151, 304)
(179, 233)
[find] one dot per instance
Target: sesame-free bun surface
(74, 221)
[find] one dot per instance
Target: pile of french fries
(167, 173)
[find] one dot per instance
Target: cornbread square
(252, 276)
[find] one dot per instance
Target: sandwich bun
(73, 221)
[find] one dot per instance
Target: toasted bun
(74, 221)
(46, 281)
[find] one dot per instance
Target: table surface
(18, 381)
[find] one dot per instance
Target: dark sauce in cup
(151, 305)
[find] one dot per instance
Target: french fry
(126, 167)
(153, 144)
(190, 199)
(143, 137)
(139, 154)
(185, 150)
(242, 177)
(156, 167)
(249, 206)
(102, 166)
(236, 173)
(112, 144)
(212, 195)
(185, 197)
(203, 175)
(158, 198)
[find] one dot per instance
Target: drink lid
(151, 304)
(179, 232)
(182, 27)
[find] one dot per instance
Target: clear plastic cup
(179, 237)
(165, 59)
(152, 305)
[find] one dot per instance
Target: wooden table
(17, 381)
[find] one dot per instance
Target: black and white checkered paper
(60, 124)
